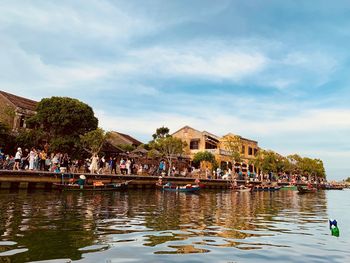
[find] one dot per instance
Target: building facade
(15, 110)
(200, 141)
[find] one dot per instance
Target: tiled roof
(131, 139)
(20, 101)
(118, 138)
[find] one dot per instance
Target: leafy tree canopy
(233, 145)
(62, 116)
(5, 137)
(168, 147)
(270, 161)
(161, 132)
(203, 156)
(92, 141)
(61, 121)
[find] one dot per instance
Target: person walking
(18, 157)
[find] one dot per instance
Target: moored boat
(307, 189)
(266, 188)
(96, 186)
(176, 188)
(289, 187)
(241, 189)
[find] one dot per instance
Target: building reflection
(54, 225)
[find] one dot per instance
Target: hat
(19, 149)
(82, 177)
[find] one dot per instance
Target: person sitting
(81, 180)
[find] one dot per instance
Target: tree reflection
(56, 225)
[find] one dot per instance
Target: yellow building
(199, 141)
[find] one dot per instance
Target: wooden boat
(305, 190)
(266, 188)
(241, 189)
(333, 187)
(93, 187)
(175, 188)
(289, 187)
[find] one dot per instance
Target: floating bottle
(335, 231)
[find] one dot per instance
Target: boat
(175, 188)
(333, 187)
(289, 187)
(241, 189)
(269, 188)
(304, 190)
(96, 186)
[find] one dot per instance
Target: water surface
(155, 226)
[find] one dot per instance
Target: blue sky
(273, 71)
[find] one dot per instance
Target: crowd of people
(41, 160)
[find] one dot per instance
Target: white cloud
(95, 19)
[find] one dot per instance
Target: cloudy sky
(272, 71)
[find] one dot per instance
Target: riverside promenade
(46, 180)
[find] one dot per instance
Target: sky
(272, 71)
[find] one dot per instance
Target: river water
(155, 226)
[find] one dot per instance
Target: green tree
(4, 133)
(161, 132)
(7, 140)
(169, 147)
(233, 145)
(93, 141)
(63, 120)
(203, 156)
(29, 138)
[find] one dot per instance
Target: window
(194, 144)
(209, 145)
(250, 151)
(243, 149)
(255, 151)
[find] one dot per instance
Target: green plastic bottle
(335, 231)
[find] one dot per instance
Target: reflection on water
(220, 226)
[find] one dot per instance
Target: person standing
(128, 166)
(113, 165)
(18, 157)
(31, 159)
(42, 157)
(64, 163)
(94, 163)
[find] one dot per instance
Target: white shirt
(18, 155)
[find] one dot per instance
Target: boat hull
(185, 189)
(302, 190)
(106, 187)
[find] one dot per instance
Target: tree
(4, 132)
(161, 132)
(269, 161)
(203, 156)
(29, 138)
(168, 147)
(233, 145)
(92, 141)
(7, 142)
(63, 120)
